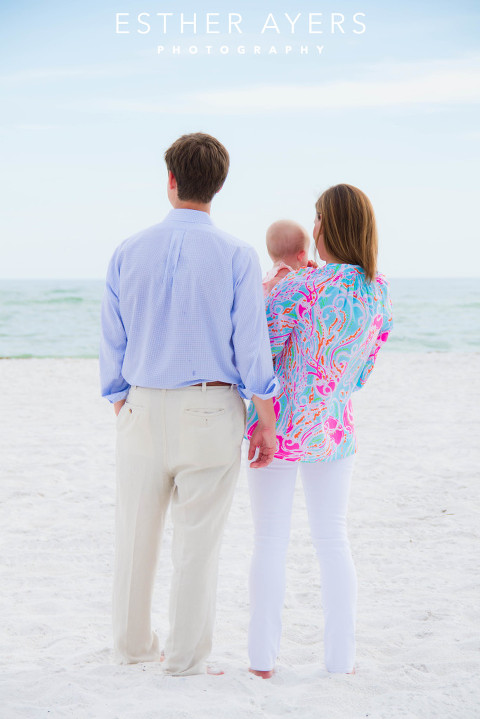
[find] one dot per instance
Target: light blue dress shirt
(184, 304)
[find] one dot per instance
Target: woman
(326, 326)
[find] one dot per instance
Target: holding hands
(264, 435)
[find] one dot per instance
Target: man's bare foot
(264, 675)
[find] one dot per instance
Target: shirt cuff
(271, 391)
(117, 395)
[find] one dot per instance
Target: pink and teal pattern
(326, 327)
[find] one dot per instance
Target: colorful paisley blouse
(326, 326)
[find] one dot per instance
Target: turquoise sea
(61, 318)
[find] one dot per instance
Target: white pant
(326, 486)
(178, 446)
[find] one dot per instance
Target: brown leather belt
(213, 384)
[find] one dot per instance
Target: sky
(92, 96)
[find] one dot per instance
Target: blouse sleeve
(282, 306)
(385, 329)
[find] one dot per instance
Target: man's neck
(190, 205)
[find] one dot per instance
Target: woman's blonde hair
(348, 227)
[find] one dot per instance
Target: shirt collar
(195, 216)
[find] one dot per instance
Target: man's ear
(219, 189)
(172, 182)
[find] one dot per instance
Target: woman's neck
(331, 260)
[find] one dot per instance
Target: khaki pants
(180, 446)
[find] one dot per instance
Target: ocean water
(61, 318)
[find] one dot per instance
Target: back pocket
(206, 436)
(204, 417)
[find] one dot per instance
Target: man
(184, 338)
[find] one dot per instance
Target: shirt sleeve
(283, 307)
(113, 338)
(250, 333)
(385, 329)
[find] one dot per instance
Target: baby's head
(289, 242)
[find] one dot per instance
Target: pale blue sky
(87, 115)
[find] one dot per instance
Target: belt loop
(204, 386)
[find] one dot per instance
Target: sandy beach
(414, 530)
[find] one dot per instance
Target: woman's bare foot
(264, 675)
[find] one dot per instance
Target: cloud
(35, 127)
(430, 83)
(434, 88)
(62, 73)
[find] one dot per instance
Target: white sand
(414, 527)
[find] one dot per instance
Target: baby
(287, 245)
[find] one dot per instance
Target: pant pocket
(210, 436)
(203, 416)
(134, 435)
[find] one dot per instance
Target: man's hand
(117, 406)
(265, 439)
(264, 435)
